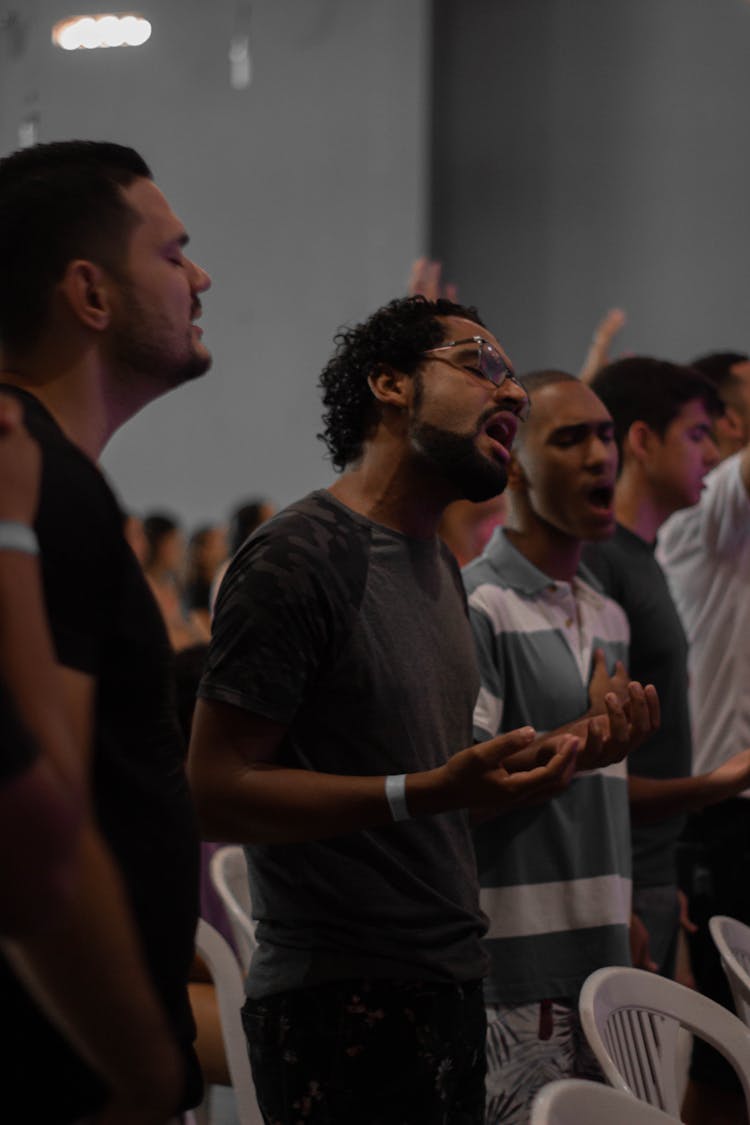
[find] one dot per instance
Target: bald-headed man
(555, 878)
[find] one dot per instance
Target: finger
(639, 717)
(600, 659)
(505, 745)
(533, 787)
(451, 292)
(619, 728)
(654, 707)
(620, 669)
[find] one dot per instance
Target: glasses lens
(492, 365)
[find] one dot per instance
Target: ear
(730, 426)
(639, 442)
(391, 387)
(85, 288)
(516, 477)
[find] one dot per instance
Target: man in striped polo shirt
(555, 878)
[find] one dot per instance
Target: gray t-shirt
(356, 637)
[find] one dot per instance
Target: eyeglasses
(483, 360)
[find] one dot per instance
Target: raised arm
(598, 355)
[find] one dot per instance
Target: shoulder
(311, 550)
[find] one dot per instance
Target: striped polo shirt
(555, 877)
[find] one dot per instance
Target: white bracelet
(395, 795)
(18, 537)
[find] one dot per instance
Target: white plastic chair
(732, 939)
(228, 872)
(230, 994)
(572, 1101)
(632, 1019)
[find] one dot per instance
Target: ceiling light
(125, 30)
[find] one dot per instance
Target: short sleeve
(79, 528)
(283, 611)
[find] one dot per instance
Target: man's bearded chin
(456, 457)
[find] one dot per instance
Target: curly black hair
(397, 336)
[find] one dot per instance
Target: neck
(389, 488)
(548, 549)
(636, 506)
(85, 402)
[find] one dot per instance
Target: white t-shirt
(705, 551)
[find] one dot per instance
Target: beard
(145, 343)
(459, 462)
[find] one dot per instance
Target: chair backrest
(732, 939)
(230, 994)
(632, 1018)
(572, 1101)
(228, 872)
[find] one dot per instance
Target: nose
(200, 280)
(513, 397)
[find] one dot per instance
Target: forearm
(30, 672)
(267, 804)
(652, 799)
(87, 971)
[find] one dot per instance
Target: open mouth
(601, 497)
(501, 429)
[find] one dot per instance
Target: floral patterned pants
(369, 1052)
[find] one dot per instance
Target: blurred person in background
(164, 568)
(205, 557)
(705, 552)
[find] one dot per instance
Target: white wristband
(395, 794)
(18, 537)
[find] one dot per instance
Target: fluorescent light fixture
(123, 30)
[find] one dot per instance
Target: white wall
(591, 153)
(305, 198)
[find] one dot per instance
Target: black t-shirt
(628, 571)
(104, 622)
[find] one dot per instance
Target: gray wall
(305, 198)
(590, 153)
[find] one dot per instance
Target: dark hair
(156, 527)
(396, 336)
(654, 391)
(717, 366)
(243, 522)
(58, 202)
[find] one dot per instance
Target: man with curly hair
(328, 738)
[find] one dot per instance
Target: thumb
(505, 745)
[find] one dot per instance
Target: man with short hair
(555, 878)
(705, 552)
(97, 314)
(338, 694)
(663, 416)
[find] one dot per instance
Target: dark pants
(369, 1053)
(715, 874)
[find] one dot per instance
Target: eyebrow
(580, 429)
